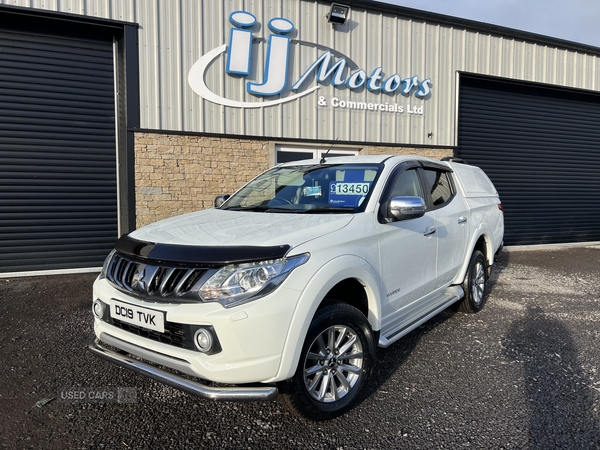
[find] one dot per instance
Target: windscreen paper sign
(347, 194)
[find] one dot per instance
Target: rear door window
(439, 185)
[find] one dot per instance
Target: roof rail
(454, 159)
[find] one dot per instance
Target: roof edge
(412, 13)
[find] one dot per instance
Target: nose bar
(233, 393)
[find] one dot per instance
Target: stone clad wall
(177, 174)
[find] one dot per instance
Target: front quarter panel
(331, 273)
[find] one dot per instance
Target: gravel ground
(521, 374)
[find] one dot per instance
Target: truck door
(407, 252)
(451, 223)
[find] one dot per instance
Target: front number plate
(135, 315)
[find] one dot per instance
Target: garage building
(116, 114)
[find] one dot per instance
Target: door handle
(462, 219)
(429, 231)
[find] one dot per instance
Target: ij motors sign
(327, 71)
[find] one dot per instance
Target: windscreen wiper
(259, 208)
(328, 210)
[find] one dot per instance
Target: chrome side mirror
(404, 208)
(220, 199)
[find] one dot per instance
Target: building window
(290, 153)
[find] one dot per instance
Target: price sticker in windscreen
(347, 194)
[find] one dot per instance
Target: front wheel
(336, 361)
(475, 284)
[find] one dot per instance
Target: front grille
(153, 281)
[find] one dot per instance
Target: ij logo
(324, 69)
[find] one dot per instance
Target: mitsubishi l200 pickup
(289, 285)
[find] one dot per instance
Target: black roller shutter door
(58, 194)
(541, 148)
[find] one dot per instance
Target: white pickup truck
(290, 285)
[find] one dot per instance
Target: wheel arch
(484, 245)
(346, 275)
(350, 291)
(481, 242)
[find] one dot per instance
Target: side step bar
(234, 393)
(451, 295)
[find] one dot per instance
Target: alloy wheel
(333, 364)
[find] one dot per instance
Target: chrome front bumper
(235, 393)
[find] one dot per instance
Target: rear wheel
(336, 361)
(475, 284)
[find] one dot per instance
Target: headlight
(240, 283)
(106, 263)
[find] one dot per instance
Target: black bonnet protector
(197, 255)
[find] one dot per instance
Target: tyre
(335, 364)
(475, 284)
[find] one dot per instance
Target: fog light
(98, 308)
(203, 340)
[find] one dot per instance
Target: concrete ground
(522, 374)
